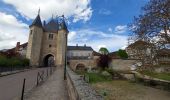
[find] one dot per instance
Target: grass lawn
(98, 77)
(125, 90)
(95, 77)
(163, 76)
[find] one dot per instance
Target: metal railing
(41, 77)
(12, 68)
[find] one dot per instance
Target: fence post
(37, 78)
(23, 89)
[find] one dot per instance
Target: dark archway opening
(80, 67)
(49, 60)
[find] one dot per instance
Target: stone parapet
(78, 89)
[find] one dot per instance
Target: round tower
(35, 41)
(61, 43)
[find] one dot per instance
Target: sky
(96, 23)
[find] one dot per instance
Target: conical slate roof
(37, 22)
(52, 26)
(63, 25)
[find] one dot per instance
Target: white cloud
(71, 35)
(11, 31)
(78, 9)
(120, 29)
(101, 46)
(98, 39)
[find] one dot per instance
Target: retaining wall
(78, 89)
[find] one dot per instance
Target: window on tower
(50, 37)
(31, 32)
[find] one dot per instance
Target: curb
(15, 72)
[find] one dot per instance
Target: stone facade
(76, 55)
(47, 45)
(123, 65)
(80, 57)
(45, 41)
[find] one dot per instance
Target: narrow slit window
(31, 32)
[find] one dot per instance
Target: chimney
(17, 46)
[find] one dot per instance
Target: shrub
(3, 60)
(13, 61)
(98, 77)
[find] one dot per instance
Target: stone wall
(34, 45)
(121, 64)
(45, 50)
(78, 89)
(88, 63)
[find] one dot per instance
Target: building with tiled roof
(163, 57)
(139, 48)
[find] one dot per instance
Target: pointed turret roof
(52, 26)
(37, 22)
(63, 25)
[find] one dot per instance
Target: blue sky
(97, 23)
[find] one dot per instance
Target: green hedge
(13, 61)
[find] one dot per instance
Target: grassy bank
(95, 77)
(163, 76)
(125, 90)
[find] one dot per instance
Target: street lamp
(65, 63)
(89, 63)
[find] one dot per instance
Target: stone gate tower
(47, 42)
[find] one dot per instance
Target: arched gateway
(49, 60)
(80, 67)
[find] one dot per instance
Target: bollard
(23, 89)
(42, 75)
(37, 78)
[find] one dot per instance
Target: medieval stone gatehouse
(47, 42)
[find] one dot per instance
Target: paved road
(11, 85)
(53, 89)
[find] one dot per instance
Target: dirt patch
(125, 90)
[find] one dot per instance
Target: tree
(104, 58)
(103, 50)
(122, 53)
(104, 61)
(154, 24)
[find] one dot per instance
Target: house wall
(123, 65)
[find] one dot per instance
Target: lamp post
(89, 58)
(65, 64)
